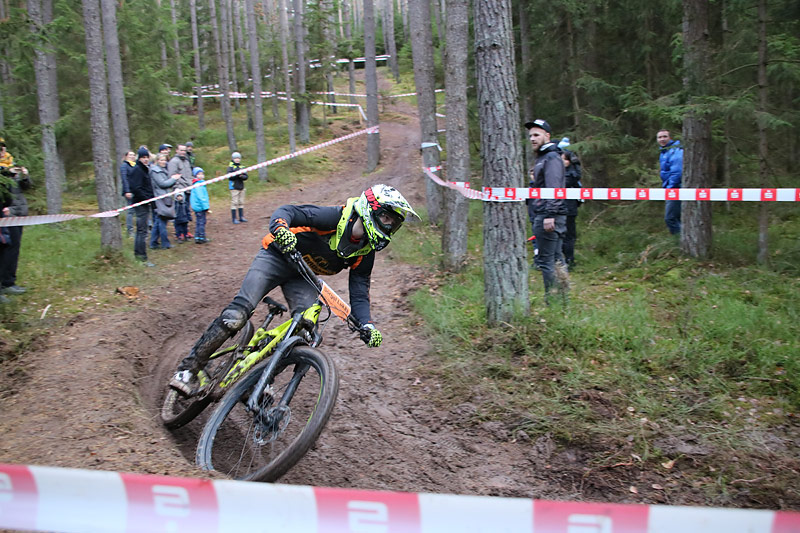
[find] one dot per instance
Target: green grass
(650, 344)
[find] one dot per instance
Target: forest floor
(88, 395)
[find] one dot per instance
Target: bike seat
(273, 304)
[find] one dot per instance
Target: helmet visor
(387, 220)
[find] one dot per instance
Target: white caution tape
(519, 194)
(49, 219)
(60, 499)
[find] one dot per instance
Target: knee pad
(234, 317)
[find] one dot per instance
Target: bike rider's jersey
(315, 226)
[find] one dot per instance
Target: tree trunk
(229, 44)
(258, 104)
(47, 97)
(696, 231)
(198, 68)
(162, 43)
(221, 49)
(175, 44)
(422, 52)
(110, 232)
(391, 49)
(236, 13)
(301, 96)
(348, 34)
(574, 62)
(439, 18)
(454, 234)
(287, 81)
(504, 223)
(116, 91)
(526, 55)
(763, 151)
(371, 82)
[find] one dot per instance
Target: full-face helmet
(382, 210)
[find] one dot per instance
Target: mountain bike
(275, 390)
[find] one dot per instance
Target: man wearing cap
(142, 189)
(180, 165)
(165, 149)
(548, 217)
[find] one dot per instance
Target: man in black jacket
(331, 239)
(141, 188)
(549, 217)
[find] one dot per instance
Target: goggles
(387, 220)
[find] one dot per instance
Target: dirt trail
(89, 396)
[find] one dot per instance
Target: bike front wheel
(293, 410)
(179, 409)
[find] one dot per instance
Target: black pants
(9, 257)
(549, 244)
(568, 248)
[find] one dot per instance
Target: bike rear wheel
(263, 446)
(179, 409)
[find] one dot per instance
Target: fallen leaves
(129, 292)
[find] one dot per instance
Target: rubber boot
(241, 215)
(212, 338)
(233, 216)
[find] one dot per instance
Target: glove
(286, 240)
(371, 336)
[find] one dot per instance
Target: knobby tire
(228, 442)
(178, 410)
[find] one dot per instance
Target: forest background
(697, 333)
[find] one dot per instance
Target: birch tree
(504, 223)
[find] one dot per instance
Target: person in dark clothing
(549, 217)
(330, 239)
(670, 161)
(572, 174)
(141, 190)
(15, 205)
(128, 162)
(236, 186)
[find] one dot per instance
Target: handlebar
(296, 258)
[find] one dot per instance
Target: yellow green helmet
(382, 210)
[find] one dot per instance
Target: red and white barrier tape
(519, 194)
(60, 499)
(49, 219)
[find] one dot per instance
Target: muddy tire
(178, 409)
(264, 446)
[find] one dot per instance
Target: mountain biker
(330, 240)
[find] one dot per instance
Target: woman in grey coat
(164, 207)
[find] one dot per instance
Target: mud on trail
(89, 396)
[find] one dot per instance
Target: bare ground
(89, 396)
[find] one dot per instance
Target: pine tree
(371, 81)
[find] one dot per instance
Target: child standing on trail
(200, 205)
(181, 217)
(236, 186)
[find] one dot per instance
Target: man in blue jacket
(671, 162)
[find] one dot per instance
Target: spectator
(190, 153)
(165, 149)
(15, 205)
(236, 186)
(181, 217)
(142, 190)
(164, 207)
(127, 164)
(180, 165)
(200, 205)
(572, 174)
(671, 163)
(549, 217)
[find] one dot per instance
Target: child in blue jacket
(200, 205)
